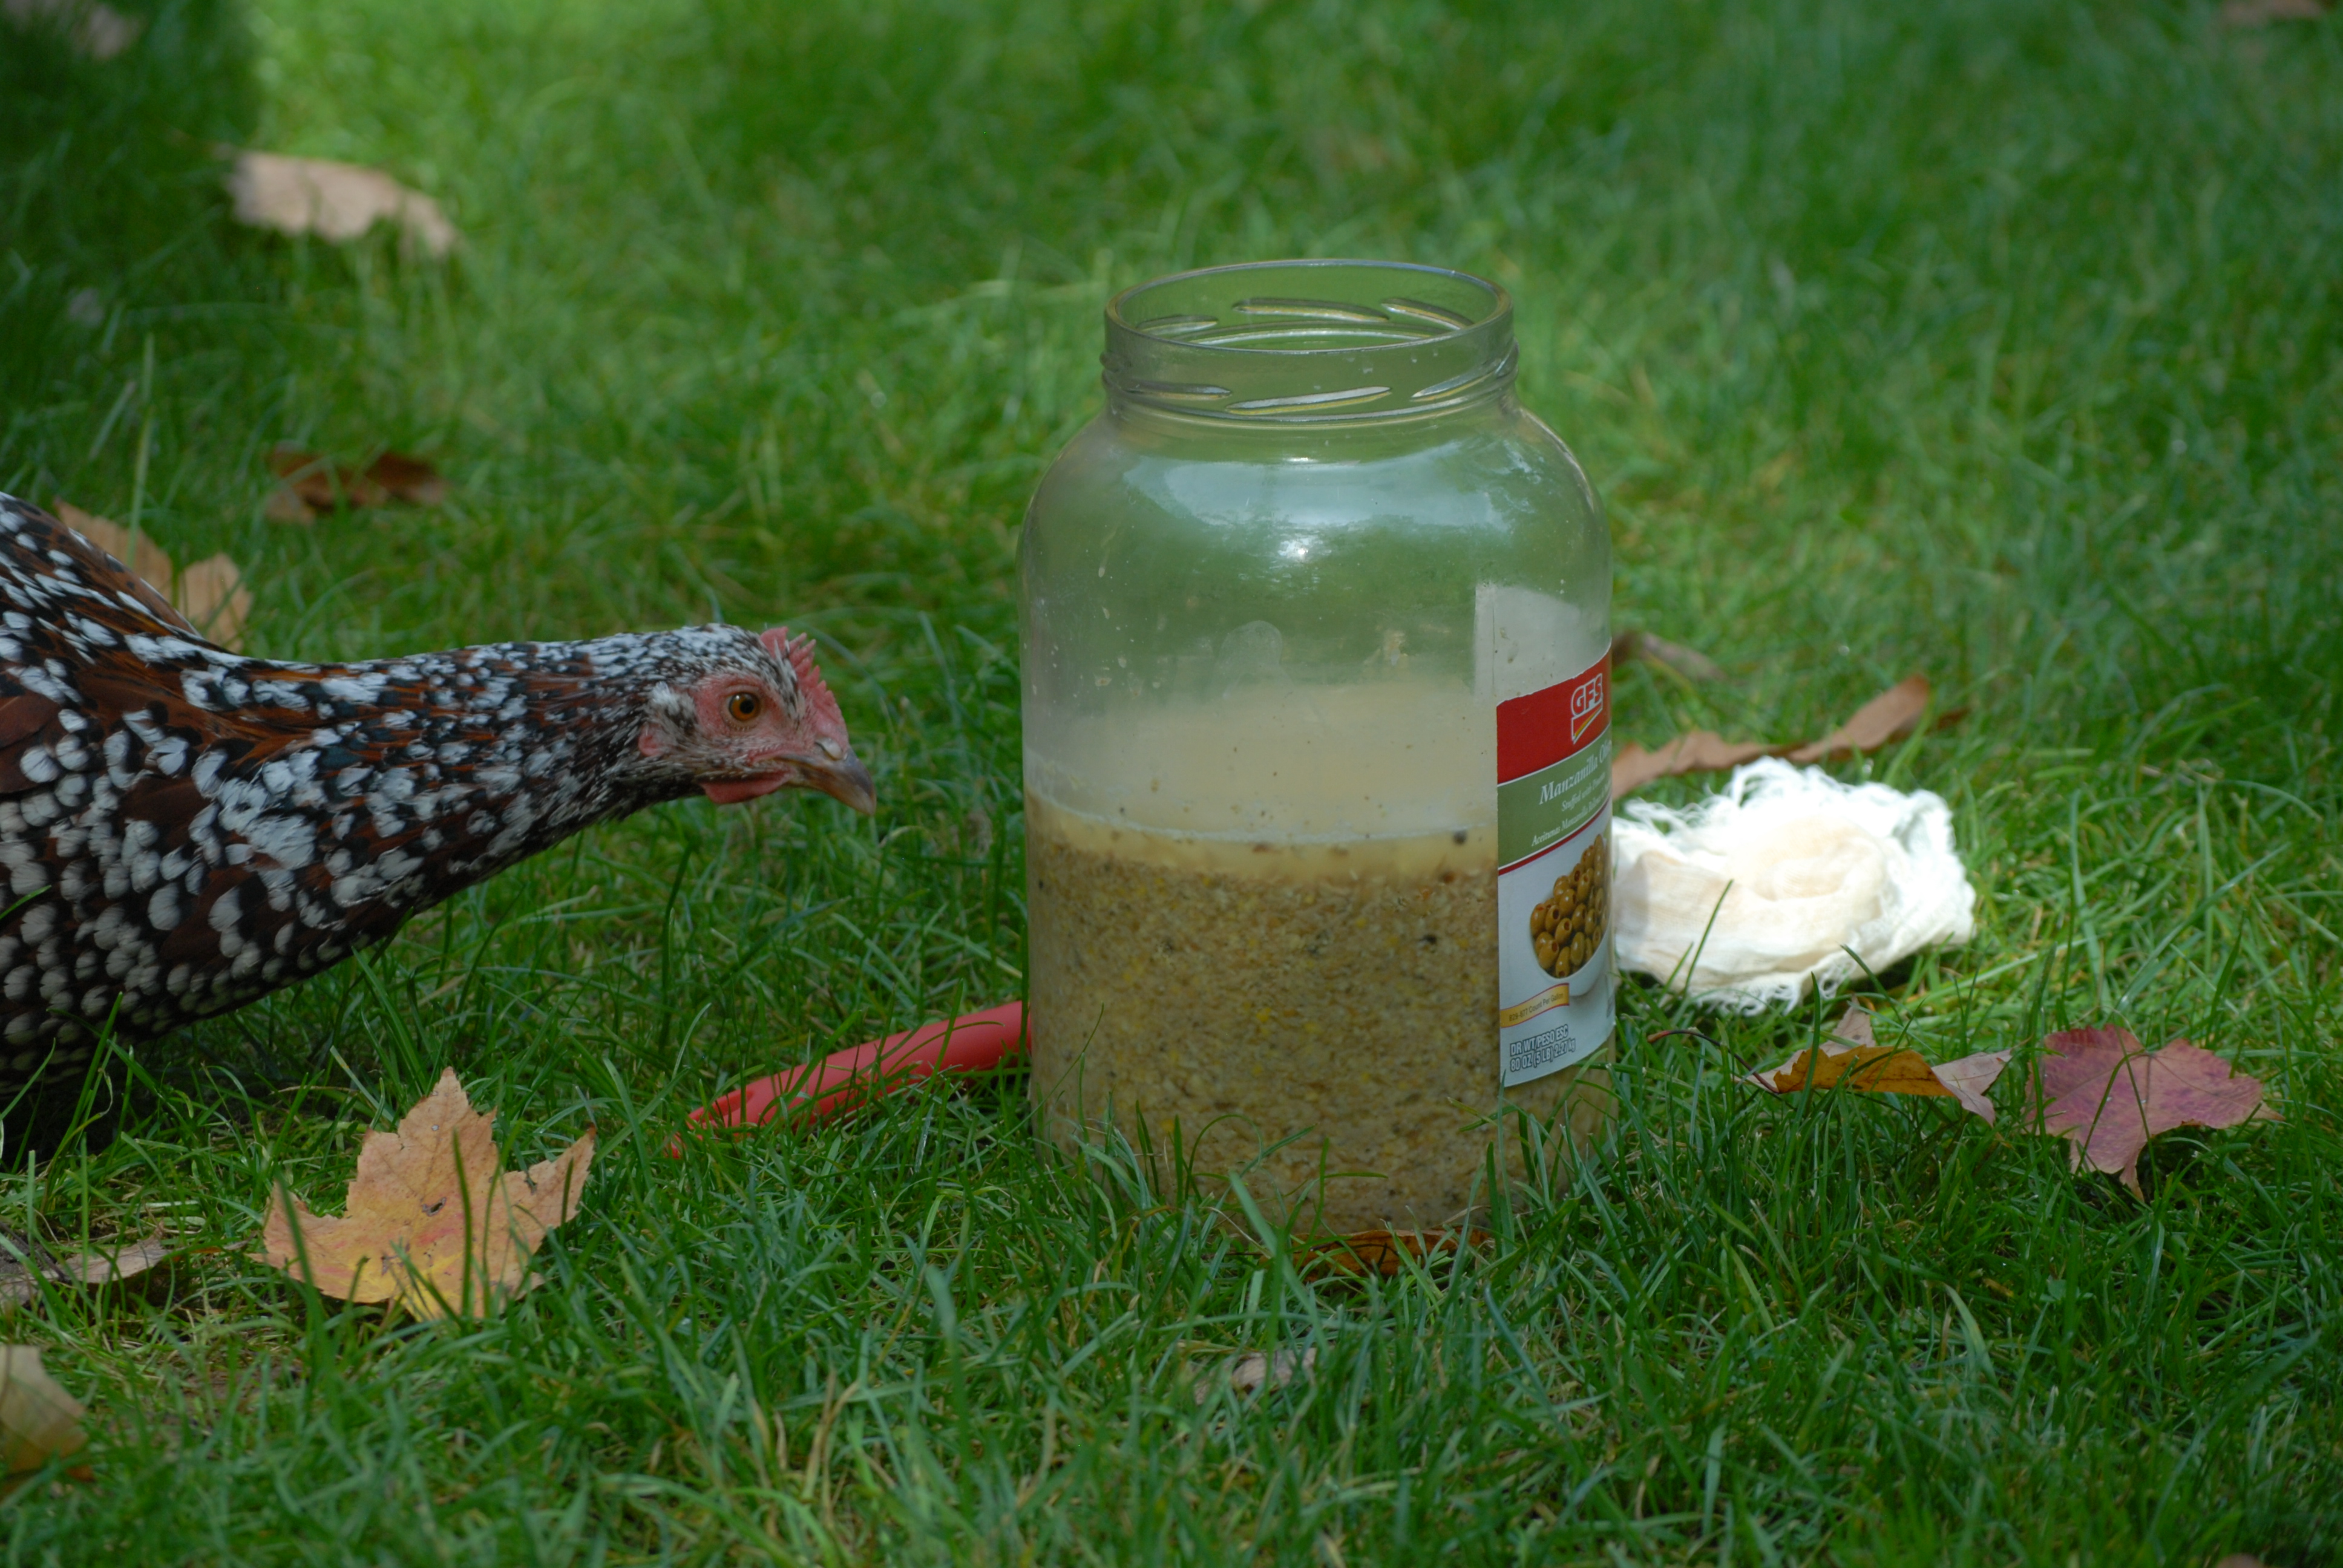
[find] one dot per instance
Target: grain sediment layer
(1320, 1018)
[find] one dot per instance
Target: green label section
(1545, 807)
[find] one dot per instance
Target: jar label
(1554, 1001)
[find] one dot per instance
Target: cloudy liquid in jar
(1300, 986)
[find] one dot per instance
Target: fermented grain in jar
(1317, 748)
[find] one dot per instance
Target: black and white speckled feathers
(183, 829)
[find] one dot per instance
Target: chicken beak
(845, 780)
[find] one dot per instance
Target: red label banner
(1542, 729)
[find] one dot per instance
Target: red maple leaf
(2108, 1096)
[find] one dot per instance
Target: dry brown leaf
(1854, 1057)
(411, 480)
(334, 201)
(38, 1420)
(20, 1277)
(1870, 1068)
(96, 31)
(1701, 751)
(1888, 717)
(1971, 1079)
(1384, 1251)
(2262, 12)
(139, 551)
(2108, 1096)
(316, 485)
(210, 594)
(1252, 1370)
(321, 484)
(98, 1266)
(1688, 662)
(432, 1220)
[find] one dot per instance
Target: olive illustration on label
(1568, 927)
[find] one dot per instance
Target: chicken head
(758, 722)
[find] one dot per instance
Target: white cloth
(1773, 882)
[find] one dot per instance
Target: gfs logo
(1586, 705)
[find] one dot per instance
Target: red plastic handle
(973, 1043)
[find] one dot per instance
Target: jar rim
(1406, 319)
(1315, 340)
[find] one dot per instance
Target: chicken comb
(798, 651)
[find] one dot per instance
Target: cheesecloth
(1746, 898)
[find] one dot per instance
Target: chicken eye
(743, 707)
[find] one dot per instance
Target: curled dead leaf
(138, 551)
(411, 480)
(1385, 1252)
(1699, 751)
(38, 1419)
(1970, 1078)
(111, 1265)
(210, 595)
(1254, 1370)
(2103, 1093)
(1688, 662)
(432, 1220)
(22, 1269)
(314, 485)
(1853, 1059)
(1889, 717)
(334, 201)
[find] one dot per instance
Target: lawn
(2001, 341)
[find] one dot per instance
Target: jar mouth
(1310, 340)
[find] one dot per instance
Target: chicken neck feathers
(184, 828)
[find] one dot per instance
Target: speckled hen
(183, 829)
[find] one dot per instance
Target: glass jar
(1316, 626)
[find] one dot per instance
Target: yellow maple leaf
(37, 1418)
(1854, 1057)
(432, 1220)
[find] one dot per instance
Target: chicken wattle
(184, 828)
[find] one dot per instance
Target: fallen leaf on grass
(139, 552)
(314, 485)
(1970, 1078)
(334, 201)
(96, 31)
(1889, 717)
(1384, 1251)
(1853, 1059)
(411, 480)
(20, 1275)
(1698, 752)
(1688, 662)
(210, 594)
(2262, 12)
(1254, 1370)
(433, 1221)
(37, 1418)
(2108, 1096)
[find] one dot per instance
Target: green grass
(1999, 340)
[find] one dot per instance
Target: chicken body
(184, 830)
